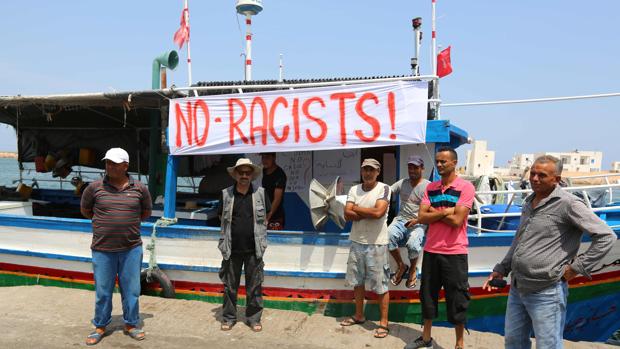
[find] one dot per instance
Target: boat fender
(157, 275)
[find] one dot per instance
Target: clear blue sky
(500, 50)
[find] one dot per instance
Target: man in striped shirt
(445, 208)
(116, 204)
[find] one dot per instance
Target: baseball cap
(117, 155)
(372, 163)
(415, 160)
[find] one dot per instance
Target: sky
(500, 50)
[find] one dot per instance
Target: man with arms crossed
(117, 204)
(367, 206)
(405, 226)
(445, 208)
(543, 258)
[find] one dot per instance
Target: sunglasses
(245, 173)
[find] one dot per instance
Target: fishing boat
(43, 241)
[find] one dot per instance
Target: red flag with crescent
(444, 66)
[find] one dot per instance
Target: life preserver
(157, 275)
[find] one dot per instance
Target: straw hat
(244, 162)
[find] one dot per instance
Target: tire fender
(157, 276)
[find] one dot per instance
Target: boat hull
(304, 271)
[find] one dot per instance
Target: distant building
(480, 161)
(615, 166)
(579, 161)
(519, 163)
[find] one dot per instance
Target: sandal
(95, 337)
(397, 280)
(411, 283)
(227, 326)
(135, 333)
(351, 321)
(381, 331)
(257, 327)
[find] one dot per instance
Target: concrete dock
(50, 317)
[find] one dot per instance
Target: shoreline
(8, 155)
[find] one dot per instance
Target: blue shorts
(368, 264)
(412, 237)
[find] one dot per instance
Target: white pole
(189, 55)
(281, 78)
(434, 41)
(434, 59)
(417, 51)
(248, 47)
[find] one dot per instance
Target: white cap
(117, 155)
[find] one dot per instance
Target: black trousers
(230, 274)
(451, 273)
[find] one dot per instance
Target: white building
(519, 163)
(578, 161)
(480, 161)
(615, 166)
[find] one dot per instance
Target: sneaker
(420, 343)
(614, 339)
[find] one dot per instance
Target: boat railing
(582, 190)
(605, 177)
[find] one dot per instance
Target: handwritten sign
(298, 169)
(329, 164)
(337, 117)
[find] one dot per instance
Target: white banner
(335, 117)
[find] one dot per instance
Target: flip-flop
(393, 278)
(227, 326)
(96, 336)
(381, 331)
(135, 333)
(412, 284)
(257, 327)
(351, 321)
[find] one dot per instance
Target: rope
(161, 222)
(512, 231)
(531, 100)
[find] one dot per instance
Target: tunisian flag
(444, 67)
(182, 35)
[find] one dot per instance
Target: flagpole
(189, 55)
(434, 58)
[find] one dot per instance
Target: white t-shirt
(370, 230)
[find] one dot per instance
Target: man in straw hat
(117, 204)
(243, 213)
(367, 206)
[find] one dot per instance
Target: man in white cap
(243, 213)
(405, 227)
(117, 204)
(367, 206)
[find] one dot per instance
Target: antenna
(248, 8)
(281, 77)
(415, 66)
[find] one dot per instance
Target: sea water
(9, 176)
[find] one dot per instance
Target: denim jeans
(543, 312)
(398, 233)
(106, 266)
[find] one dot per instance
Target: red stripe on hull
(283, 292)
